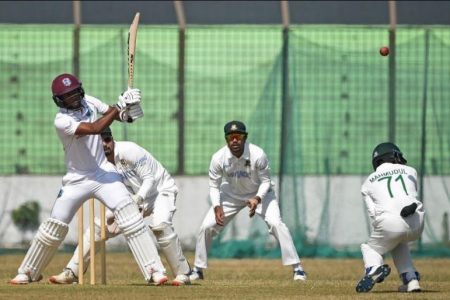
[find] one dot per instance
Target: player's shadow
(168, 285)
(397, 292)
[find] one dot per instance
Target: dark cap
(234, 126)
(106, 132)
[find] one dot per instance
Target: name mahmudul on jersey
(388, 173)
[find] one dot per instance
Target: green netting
(338, 83)
(338, 97)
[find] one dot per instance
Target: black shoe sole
(367, 282)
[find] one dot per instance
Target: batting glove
(124, 115)
(129, 97)
(138, 199)
(135, 111)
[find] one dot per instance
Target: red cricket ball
(384, 51)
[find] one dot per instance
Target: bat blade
(132, 34)
(135, 110)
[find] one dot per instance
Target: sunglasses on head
(233, 136)
(107, 139)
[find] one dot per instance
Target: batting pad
(139, 239)
(170, 245)
(47, 240)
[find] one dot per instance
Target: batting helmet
(387, 152)
(64, 84)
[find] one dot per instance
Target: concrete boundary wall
(347, 222)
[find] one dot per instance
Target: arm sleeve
(66, 125)
(99, 105)
(263, 169)
(369, 205)
(215, 180)
(143, 163)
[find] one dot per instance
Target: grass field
(230, 279)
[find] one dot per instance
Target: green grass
(230, 279)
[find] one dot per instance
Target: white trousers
(391, 233)
(160, 208)
(107, 187)
(268, 210)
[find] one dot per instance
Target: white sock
(297, 267)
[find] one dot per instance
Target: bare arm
(253, 204)
(97, 127)
(220, 216)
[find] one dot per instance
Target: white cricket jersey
(390, 188)
(84, 155)
(239, 178)
(141, 172)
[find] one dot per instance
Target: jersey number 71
(389, 179)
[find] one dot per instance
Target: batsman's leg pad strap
(129, 219)
(170, 245)
(44, 245)
(139, 239)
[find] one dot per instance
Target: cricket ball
(384, 51)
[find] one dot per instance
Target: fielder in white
(239, 177)
(154, 191)
(89, 175)
(390, 194)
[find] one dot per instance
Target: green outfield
(231, 279)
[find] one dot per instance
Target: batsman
(89, 175)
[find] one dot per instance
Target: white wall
(347, 224)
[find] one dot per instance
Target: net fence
(327, 92)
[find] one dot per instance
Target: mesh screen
(338, 97)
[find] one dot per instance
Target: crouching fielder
(390, 194)
(154, 191)
(239, 177)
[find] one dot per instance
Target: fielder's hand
(253, 204)
(138, 199)
(113, 228)
(220, 218)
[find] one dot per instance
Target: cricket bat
(135, 111)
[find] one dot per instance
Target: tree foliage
(26, 216)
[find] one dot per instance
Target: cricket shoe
(159, 278)
(23, 279)
(181, 279)
(372, 277)
(65, 277)
(299, 275)
(196, 274)
(411, 287)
